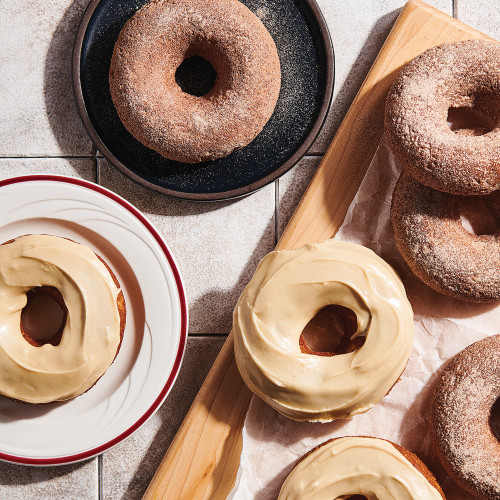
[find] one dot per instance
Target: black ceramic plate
(307, 67)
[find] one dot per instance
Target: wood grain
(203, 458)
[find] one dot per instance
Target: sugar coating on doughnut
(183, 127)
(453, 75)
(439, 250)
(459, 418)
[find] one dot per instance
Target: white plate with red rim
(155, 336)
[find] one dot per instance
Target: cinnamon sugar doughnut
(434, 243)
(177, 125)
(358, 465)
(450, 76)
(459, 415)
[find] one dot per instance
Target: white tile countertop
(216, 245)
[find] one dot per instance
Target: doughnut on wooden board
(203, 458)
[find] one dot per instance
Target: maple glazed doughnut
(460, 418)
(94, 318)
(184, 127)
(450, 78)
(288, 289)
(439, 250)
(358, 465)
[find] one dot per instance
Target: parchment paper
(443, 327)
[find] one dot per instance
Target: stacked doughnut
(442, 167)
(464, 418)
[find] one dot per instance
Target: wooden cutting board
(203, 458)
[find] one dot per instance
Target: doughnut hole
(469, 121)
(330, 332)
(480, 215)
(196, 76)
(206, 71)
(354, 497)
(44, 317)
(495, 418)
(480, 116)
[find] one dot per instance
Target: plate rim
(223, 195)
(87, 454)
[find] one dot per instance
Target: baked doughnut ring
(177, 125)
(288, 289)
(358, 465)
(446, 78)
(438, 249)
(459, 418)
(89, 295)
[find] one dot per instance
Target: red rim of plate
(183, 334)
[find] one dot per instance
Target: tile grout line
(207, 335)
(276, 210)
(48, 157)
(97, 170)
(99, 477)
